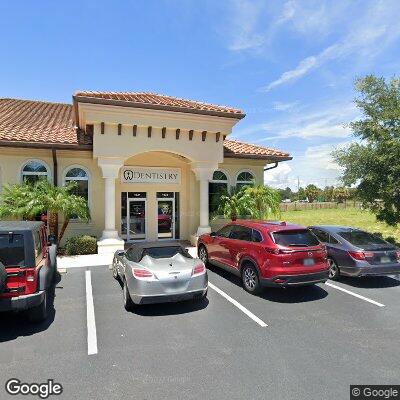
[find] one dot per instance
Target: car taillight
(272, 250)
(141, 273)
(361, 255)
(30, 275)
(278, 251)
(199, 269)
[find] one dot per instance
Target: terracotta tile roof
(39, 122)
(159, 101)
(234, 148)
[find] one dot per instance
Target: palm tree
(261, 201)
(27, 200)
(256, 202)
(231, 205)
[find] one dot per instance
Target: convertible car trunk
(173, 273)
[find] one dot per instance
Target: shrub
(82, 244)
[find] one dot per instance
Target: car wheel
(53, 262)
(334, 271)
(39, 313)
(250, 280)
(3, 277)
(203, 254)
(128, 303)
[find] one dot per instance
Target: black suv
(28, 267)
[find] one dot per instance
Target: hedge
(83, 244)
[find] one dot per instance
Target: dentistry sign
(151, 175)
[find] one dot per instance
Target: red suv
(266, 254)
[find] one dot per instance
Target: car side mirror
(121, 253)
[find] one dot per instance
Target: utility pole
(298, 188)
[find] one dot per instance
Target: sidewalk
(96, 260)
(87, 260)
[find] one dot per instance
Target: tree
(312, 192)
(27, 200)
(373, 162)
(231, 205)
(251, 201)
(328, 193)
(286, 193)
(340, 194)
(301, 194)
(261, 201)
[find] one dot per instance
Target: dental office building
(150, 166)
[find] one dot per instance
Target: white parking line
(91, 322)
(238, 305)
(355, 294)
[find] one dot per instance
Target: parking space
(216, 348)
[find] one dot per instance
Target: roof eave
(43, 145)
(122, 103)
(259, 157)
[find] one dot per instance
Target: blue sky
(290, 65)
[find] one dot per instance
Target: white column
(204, 172)
(109, 241)
(204, 212)
(109, 208)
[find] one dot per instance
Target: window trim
(252, 235)
(243, 240)
(221, 181)
(38, 160)
(88, 179)
(248, 171)
(227, 182)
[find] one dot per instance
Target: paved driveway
(304, 343)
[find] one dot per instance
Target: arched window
(244, 178)
(34, 170)
(217, 186)
(81, 177)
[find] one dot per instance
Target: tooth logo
(128, 175)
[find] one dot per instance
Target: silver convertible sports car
(159, 272)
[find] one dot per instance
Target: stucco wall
(12, 160)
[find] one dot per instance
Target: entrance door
(165, 218)
(136, 223)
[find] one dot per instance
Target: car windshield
(361, 238)
(165, 252)
(12, 251)
(298, 238)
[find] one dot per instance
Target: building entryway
(165, 215)
(138, 219)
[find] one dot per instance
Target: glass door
(136, 219)
(165, 218)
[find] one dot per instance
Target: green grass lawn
(348, 216)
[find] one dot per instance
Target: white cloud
(279, 176)
(281, 106)
(367, 37)
(246, 28)
(243, 25)
(304, 66)
(330, 122)
(321, 156)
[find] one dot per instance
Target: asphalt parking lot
(304, 343)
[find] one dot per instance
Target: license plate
(385, 259)
(308, 261)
